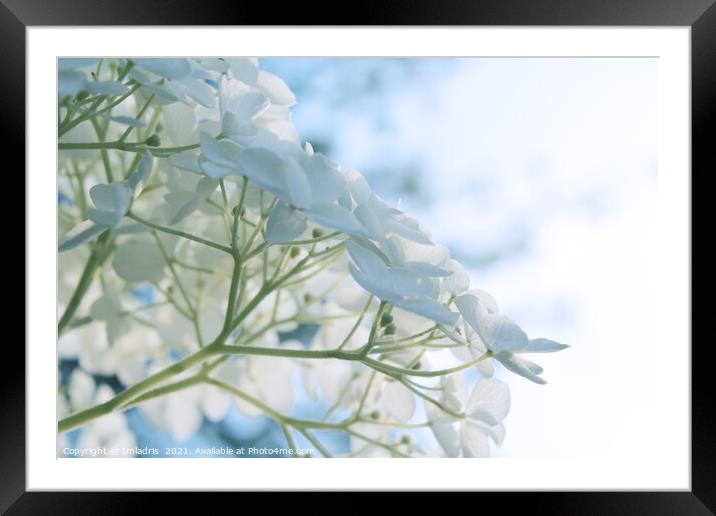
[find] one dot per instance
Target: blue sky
(540, 174)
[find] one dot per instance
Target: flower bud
(153, 140)
(390, 329)
(293, 252)
(386, 319)
(316, 233)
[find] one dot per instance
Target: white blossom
(239, 206)
(502, 336)
(483, 410)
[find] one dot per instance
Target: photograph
(338, 257)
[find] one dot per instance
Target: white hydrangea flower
(484, 410)
(111, 203)
(502, 336)
(237, 205)
(397, 284)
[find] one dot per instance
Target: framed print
(450, 256)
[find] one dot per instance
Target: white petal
(459, 281)
(398, 401)
(447, 437)
(427, 269)
(206, 187)
(489, 401)
(244, 69)
(502, 334)
(275, 386)
(336, 217)
(131, 369)
(214, 403)
(141, 174)
(332, 375)
(164, 91)
(372, 286)
(327, 183)
(358, 187)
(264, 168)
(185, 161)
(136, 261)
(214, 64)
(248, 106)
(234, 127)
(497, 433)
(399, 226)
(544, 346)
(183, 418)
(214, 170)
(215, 151)
(79, 234)
(454, 392)
(285, 224)
(485, 299)
(371, 221)
(184, 204)
(106, 307)
(70, 82)
(81, 390)
(407, 283)
(498, 332)
(200, 92)
(275, 89)
(473, 440)
(177, 68)
(111, 88)
(486, 369)
(428, 308)
(297, 184)
(366, 260)
(180, 123)
(111, 201)
(521, 366)
(127, 120)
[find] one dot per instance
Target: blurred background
(540, 176)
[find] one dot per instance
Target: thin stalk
(98, 255)
(178, 233)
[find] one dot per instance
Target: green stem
(84, 416)
(289, 353)
(374, 329)
(357, 323)
(290, 442)
(97, 256)
(92, 111)
(178, 233)
(315, 442)
(129, 147)
(192, 309)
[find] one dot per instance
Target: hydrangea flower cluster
(198, 230)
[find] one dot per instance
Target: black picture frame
(700, 15)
